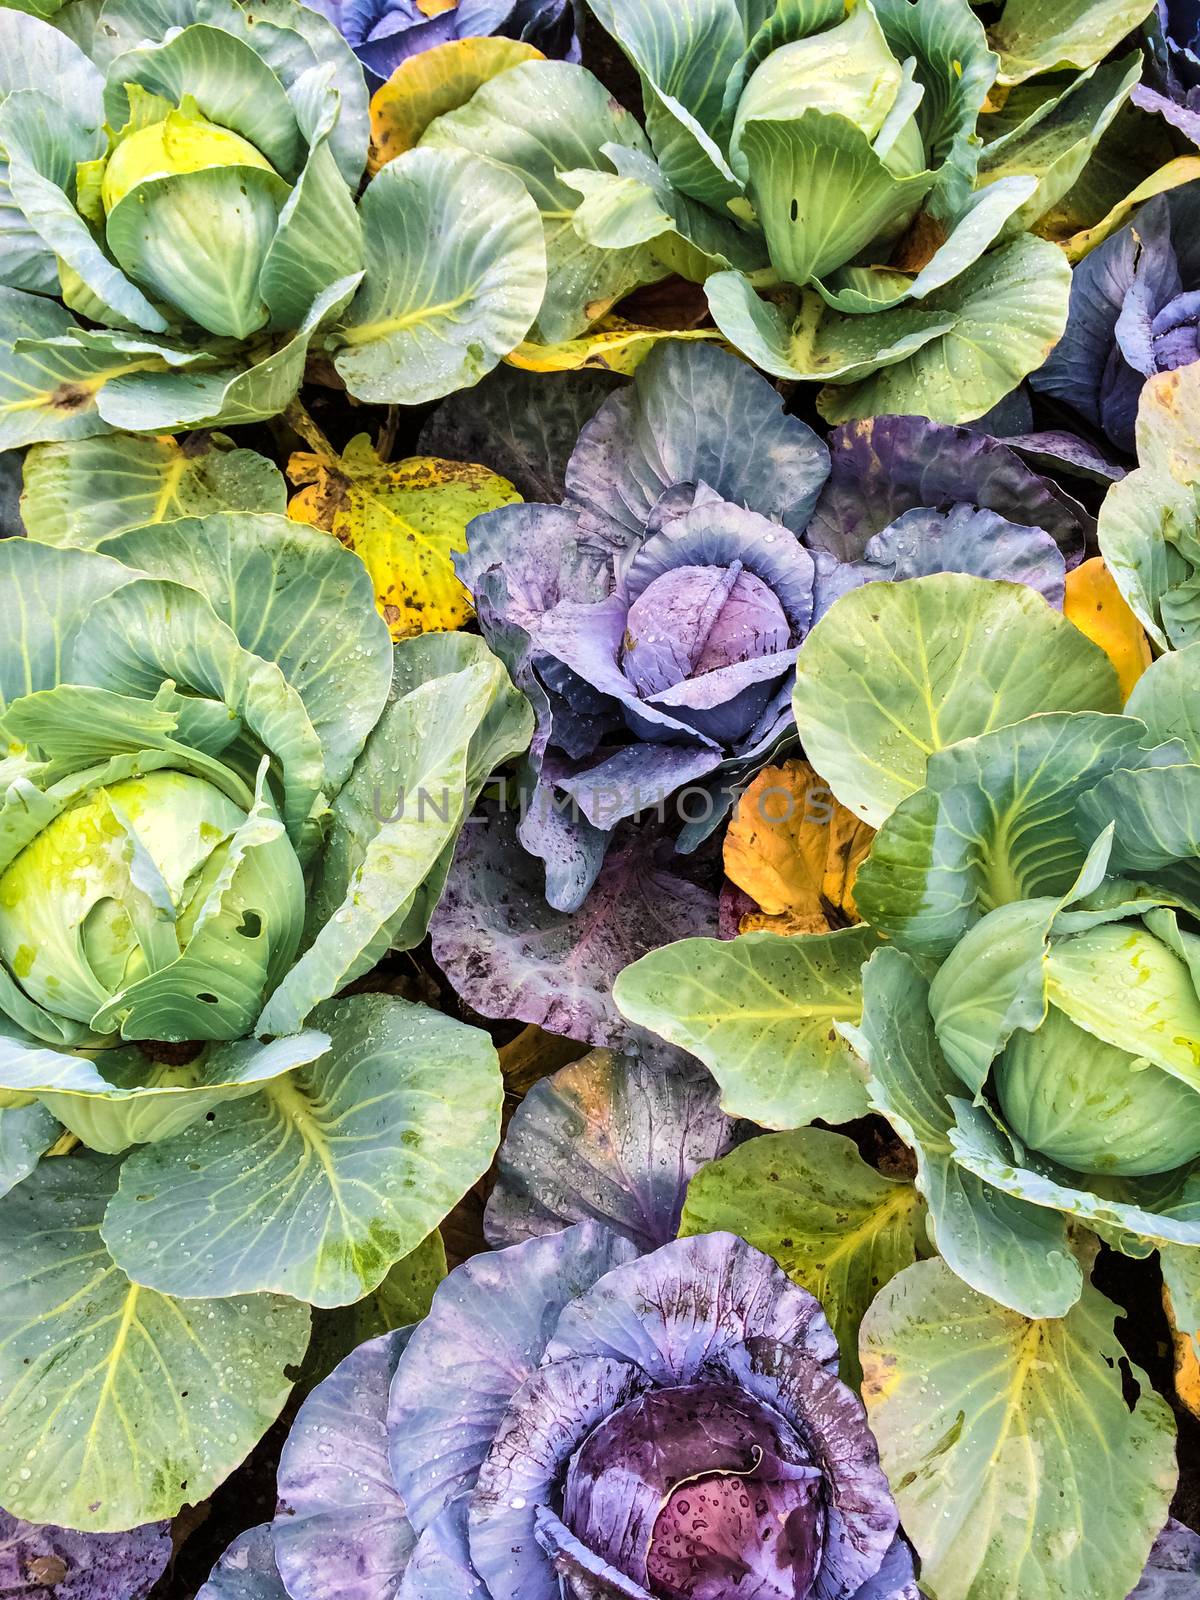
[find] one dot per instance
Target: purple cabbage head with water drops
(576, 1421)
(654, 617)
(384, 33)
(1135, 311)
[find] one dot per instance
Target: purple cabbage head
(654, 617)
(574, 1420)
(383, 33)
(1172, 89)
(1135, 311)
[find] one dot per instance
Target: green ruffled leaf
(396, 820)
(684, 71)
(760, 1012)
(996, 821)
(1032, 37)
(1056, 142)
(318, 1185)
(1007, 313)
(1018, 1464)
(544, 122)
(82, 492)
(1005, 1248)
(341, 676)
(837, 1227)
(120, 1405)
(456, 271)
(896, 671)
(636, 205)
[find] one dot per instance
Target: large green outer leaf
(541, 121)
(396, 823)
(836, 1226)
(52, 592)
(319, 237)
(285, 590)
(42, 145)
(1009, 310)
(816, 343)
(1020, 1470)
(760, 1011)
(1010, 1250)
(896, 671)
(33, 55)
(320, 1183)
(83, 491)
(119, 1405)
(956, 69)
(636, 205)
(455, 273)
(1033, 37)
(498, 726)
(996, 821)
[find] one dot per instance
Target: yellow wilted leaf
(795, 851)
(405, 520)
(1097, 608)
(1187, 1359)
(613, 344)
(1183, 169)
(426, 86)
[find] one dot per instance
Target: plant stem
(297, 418)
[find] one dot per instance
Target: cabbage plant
(575, 1419)
(181, 228)
(1031, 1027)
(836, 157)
(654, 618)
(226, 796)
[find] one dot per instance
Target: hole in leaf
(251, 924)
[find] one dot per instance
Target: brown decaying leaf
(795, 851)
